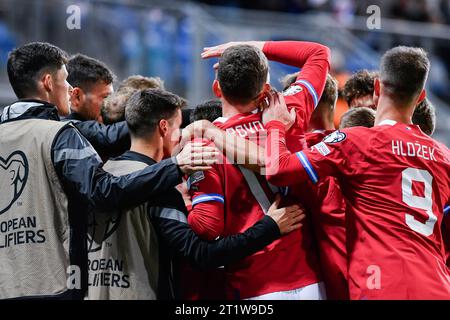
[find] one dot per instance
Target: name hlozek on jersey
(410, 149)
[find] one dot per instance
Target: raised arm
(284, 168)
(312, 58)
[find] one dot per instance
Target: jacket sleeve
(78, 167)
(182, 240)
(108, 141)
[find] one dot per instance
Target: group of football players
(258, 197)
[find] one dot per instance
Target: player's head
(242, 76)
(113, 107)
(403, 73)
(288, 80)
(139, 82)
(358, 90)
(37, 70)
(425, 116)
(323, 116)
(155, 114)
(209, 110)
(358, 117)
(92, 82)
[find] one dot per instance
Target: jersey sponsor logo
(292, 90)
(322, 148)
(335, 137)
(100, 228)
(13, 177)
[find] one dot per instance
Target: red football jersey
(395, 180)
(326, 203)
(229, 199)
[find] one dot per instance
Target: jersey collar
(387, 122)
(236, 116)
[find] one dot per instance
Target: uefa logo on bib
(13, 177)
(101, 226)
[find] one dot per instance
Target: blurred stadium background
(165, 38)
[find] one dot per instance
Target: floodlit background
(165, 38)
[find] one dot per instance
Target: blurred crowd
(436, 11)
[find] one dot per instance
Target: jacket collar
(135, 156)
(29, 109)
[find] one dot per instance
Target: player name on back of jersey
(413, 149)
(247, 129)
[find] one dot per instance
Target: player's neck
(41, 97)
(388, 110)
(229, 110)
(150, 147)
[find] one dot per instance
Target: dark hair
(360, 84)
(403, 72)
(209, 110)
(145, 108)
(242, 73)
(330, 92)
(27, 63)
(85, 71)
(186, 113)
(358, 117)
(425, 116)
(139, 82)
(113, 107)
(288, 80)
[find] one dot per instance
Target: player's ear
(267, 87)
(47, 82)
(377, 87)
(422, 96)
(376, 91)
(265, 91)
(76, 97)
(163, 127)
(216, 89)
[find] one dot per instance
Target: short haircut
(28, 62)
(288, 80)
(139, 82)
(84, 72)
(330, 92)
(146, 108)
(403, 73)
(358, 117)
(425, 116)
(113, 107)
(242, 73)
(186, 113)
(209, 110)
(360, 84)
